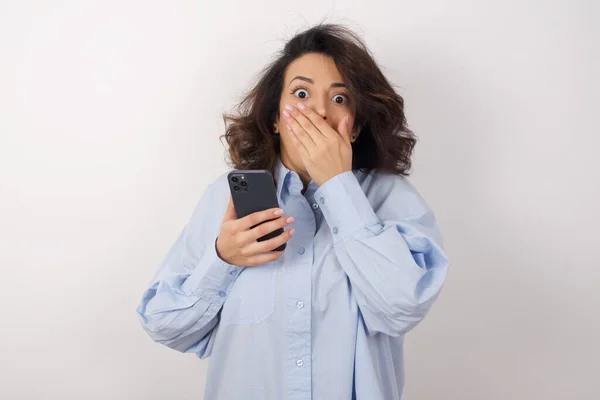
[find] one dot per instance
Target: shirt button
(300, 304)
(232, 273)
(299, 363)
(322, 200)
(315, 206)
(222, 293)
(335, 230)
(301, 250)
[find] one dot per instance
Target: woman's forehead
(320, 68)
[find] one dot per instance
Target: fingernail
(288, 107)
(300, 106)
(278, 212)
(289, 220)
(292, 231)
(286, 114)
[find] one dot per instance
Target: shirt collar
(288, 181)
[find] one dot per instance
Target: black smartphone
(252, 191)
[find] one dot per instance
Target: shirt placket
(298, 290)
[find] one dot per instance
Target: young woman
(326, 317)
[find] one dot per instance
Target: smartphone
(252, 191)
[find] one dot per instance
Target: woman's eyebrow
(303, 78)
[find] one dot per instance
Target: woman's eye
(301, 93)
(341, 99)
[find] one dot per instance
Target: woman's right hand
(237, 241)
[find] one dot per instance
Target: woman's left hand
(324, 151)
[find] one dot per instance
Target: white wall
(109, 123)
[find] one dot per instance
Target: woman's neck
(289, 164)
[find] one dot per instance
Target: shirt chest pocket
(252, 297)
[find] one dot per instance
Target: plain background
(110, 113)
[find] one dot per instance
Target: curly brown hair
(385, 143)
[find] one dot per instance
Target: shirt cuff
(212, 277)
(345, 206)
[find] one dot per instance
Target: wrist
(329, 177)
(217, 249)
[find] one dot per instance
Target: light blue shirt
(326, 320)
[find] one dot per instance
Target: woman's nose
(320, 108)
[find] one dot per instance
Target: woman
(326, 317)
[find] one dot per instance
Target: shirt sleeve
(180, 308)
(393, 258)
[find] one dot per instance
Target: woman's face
(314, 80)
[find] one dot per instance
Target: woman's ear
(276, 126)
(356, 133)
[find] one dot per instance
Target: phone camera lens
(244, 184)
(234, 179)
(236, 188)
